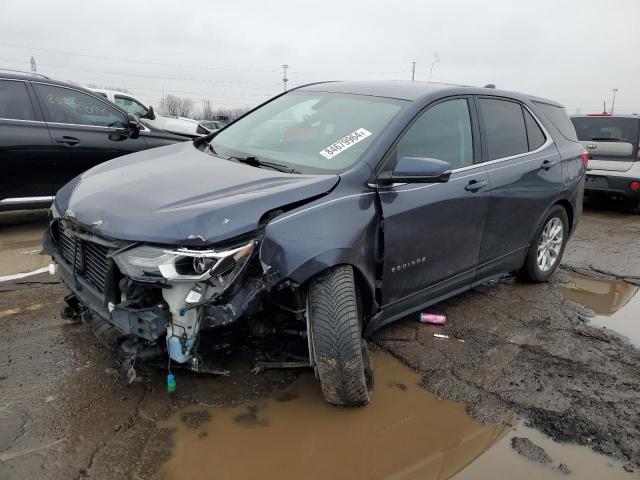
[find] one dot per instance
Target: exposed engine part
(260, 367)
(259, 328)
(245, 301)
(72, 309)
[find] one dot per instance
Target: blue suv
(323, 214)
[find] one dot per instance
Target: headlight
(184, 264)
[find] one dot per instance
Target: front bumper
(147, 323)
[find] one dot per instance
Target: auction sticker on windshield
(345, 142)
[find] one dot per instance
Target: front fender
(329, 232)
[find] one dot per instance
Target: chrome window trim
(20, 120)
(23, 200)
(109, 129)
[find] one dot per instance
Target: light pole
(613, 101)
(285, 79)
(413, 71)
(436, 59)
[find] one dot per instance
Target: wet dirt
(406, 432)
(566, 461)
(21, 243)
(528, 351)
(615, 303)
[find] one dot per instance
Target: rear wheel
(545, 252)
(339, 352)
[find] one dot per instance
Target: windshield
(313, 132)
(612, 129)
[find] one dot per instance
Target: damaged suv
(323, 214)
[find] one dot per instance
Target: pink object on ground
(433, 318)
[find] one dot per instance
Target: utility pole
(436, 59)
(33, 64)
(285, 79)
(613, 102)
(413, 71)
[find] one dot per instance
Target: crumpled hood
(180, 195)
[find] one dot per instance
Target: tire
(533, 269)
(340, 354)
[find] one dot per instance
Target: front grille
(88, 259)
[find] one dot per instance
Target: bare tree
(207, 110)
(175, 106)
(186, 107)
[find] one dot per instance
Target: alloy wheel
(550, 244)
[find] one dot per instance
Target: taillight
(585, 158)
(635, 186)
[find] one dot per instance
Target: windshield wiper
(256, 162)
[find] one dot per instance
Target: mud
(404, 433)
(529, 351)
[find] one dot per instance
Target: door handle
(69, 141)
(547, 164)
(475, 185)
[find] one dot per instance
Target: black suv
(52, 131)
(322, 215)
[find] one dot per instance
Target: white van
(133, 105)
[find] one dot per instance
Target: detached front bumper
(171, 306)
(147, 323)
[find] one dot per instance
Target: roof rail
(10, 70)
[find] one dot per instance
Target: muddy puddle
(501, 461)
(616, 303)
(406, 433)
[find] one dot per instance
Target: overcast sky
(572, 51)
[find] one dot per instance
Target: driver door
(433, 231)
(85, 130)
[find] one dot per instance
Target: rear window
(14, 101)
(534, 132)
(607, 129)
(505, 128)
(559, 118)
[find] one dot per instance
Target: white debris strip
(18, 276)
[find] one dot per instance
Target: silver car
(613, 143)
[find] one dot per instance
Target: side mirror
(133, 127)
(417, 170)
(150, 113)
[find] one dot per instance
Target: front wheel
(338, 350)
(545, 252)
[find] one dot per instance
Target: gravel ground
(66, 412)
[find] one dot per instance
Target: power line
(128, 60)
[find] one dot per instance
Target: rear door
(612, 142)
(86, 130)
(25, 147)
(525, 173)
(433, 231)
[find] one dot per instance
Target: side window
(442, 132)
(130, 105)
(534, 132)
(504, 127)
(63, 105)
(559, 117)
(14, 101)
